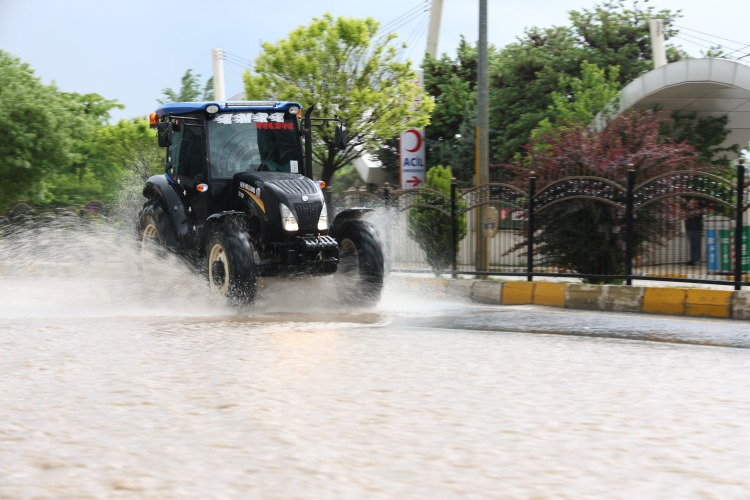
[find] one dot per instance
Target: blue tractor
(238, 201)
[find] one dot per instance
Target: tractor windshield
(249, 140)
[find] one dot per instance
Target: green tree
(341, 65)
(190, 90)
(112, 158)
(81, 180)
(450, 137)
(452, 84)
(130, 145)
(35, 129)
(706, 133)
(595, 93)
(522, 80)
(525, 76)
(429, 222)
(130, 148)
(580, 99)
(611, 34)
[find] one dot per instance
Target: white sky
(130, 51)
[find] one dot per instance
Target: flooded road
(119, 385)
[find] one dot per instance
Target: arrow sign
(412, 158)
(414, 181)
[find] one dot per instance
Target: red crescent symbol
(419, 140)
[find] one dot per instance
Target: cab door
(188, 160)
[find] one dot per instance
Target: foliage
(190, 90)
(82, 180)
(34, 126)
(528, 73)
(566, 227)
(611, 34)
(450, 137)
(388, 156)
(58, 148)
(452, 83)
(706, 133)
(341, 65)
(344, 179)
(522, 80)
(429, 223)
(525, 76)
(580, 99)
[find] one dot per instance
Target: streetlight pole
(482, 137)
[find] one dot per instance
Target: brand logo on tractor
(253, 193)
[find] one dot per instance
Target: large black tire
(359, 277)
(230, 262)
(156, 231)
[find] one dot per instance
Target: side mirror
(340, 136)
(164, 132)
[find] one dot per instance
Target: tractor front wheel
(231, 266)
(359, 277)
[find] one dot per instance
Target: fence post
(530, 227)
(738, 224)
(454, 227)
(629, 225)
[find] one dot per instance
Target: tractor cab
(209, 143)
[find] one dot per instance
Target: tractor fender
(219, 219)
(161, 187)
(346, 215)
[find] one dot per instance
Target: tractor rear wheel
(157, 234)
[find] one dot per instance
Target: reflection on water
(116, 385)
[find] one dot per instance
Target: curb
(668, 300)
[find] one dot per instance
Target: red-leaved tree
(586, 234)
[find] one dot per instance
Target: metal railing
(584, 227)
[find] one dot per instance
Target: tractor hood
(265, 191)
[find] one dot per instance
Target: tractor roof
(178, 108)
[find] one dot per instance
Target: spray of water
(67, 265)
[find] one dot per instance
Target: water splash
(72, 267)
(76, 267)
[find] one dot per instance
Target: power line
(713, 42)
(235, 59)
(419, 14)
(413, 40)
(405, 18)
(405, 22)
(707, 34)
(707, 45)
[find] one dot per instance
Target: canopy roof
(709, 87)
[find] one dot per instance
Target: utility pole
(433, 33)
(218, 66)
(659, 53)
(482, 174)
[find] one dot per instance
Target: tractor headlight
(288, 220)
(323, 219)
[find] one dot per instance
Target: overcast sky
(130, 51)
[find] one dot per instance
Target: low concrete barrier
(651, 300)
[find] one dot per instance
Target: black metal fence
(585, 227)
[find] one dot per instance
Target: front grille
(302, 185)
(308, 214)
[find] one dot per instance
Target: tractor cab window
(186, 152)
(248, 141)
